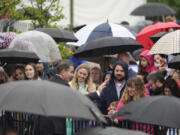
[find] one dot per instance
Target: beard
(119, 78)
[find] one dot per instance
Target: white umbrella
(40, 43)
(168, 44)
(96, 31)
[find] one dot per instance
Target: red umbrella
(144, 35)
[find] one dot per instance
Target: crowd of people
(109, 87)
(109, 90)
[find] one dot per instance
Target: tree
(8, 11)
(66, 51)
(175, 4)
(40, 12)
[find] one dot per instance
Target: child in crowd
(146, 62)
(112, 108)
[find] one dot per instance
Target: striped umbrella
(168, 44)
(96, 31)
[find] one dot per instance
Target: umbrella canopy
(132, 30)
(48, 99)
(17, 56)
(175, 62)
(98, 59)
(153, 9)
(40, 43)
(157, 110)
(168, 44)
(156, 37)
(59, 35)
(109, 131)
(1, 40)
(144, 35)
(7, 38)
(96, 31)
(107, 46)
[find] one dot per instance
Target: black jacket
(107, 96)
(58, 79)
(109, 93)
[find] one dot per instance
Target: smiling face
(30, 72)
(82, 75)
(19, 74)
(131, 90)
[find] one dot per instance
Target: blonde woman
(82, 80)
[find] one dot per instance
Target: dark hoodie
(109, 93)
(124, 66)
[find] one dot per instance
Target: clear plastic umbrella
(40, 43)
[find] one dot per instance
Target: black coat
(107, 96)
(58, 79)
(53, 125)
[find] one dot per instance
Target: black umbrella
(175, 62)
(153, 9)
(17, 56)
(156, 37)
(157, 110)
(109, 131)
(59, 35)
(48, 99)
(107, 46)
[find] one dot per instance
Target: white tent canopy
(94, 11)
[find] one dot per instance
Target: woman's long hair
(173, 86)
(88, 82)
(140, 90)
(35, 70)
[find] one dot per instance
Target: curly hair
(140, 90)
(89, 83)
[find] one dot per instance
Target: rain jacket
(150, 58)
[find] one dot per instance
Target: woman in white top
(82, 80)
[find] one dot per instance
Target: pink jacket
(135, 126)
(150, 58)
